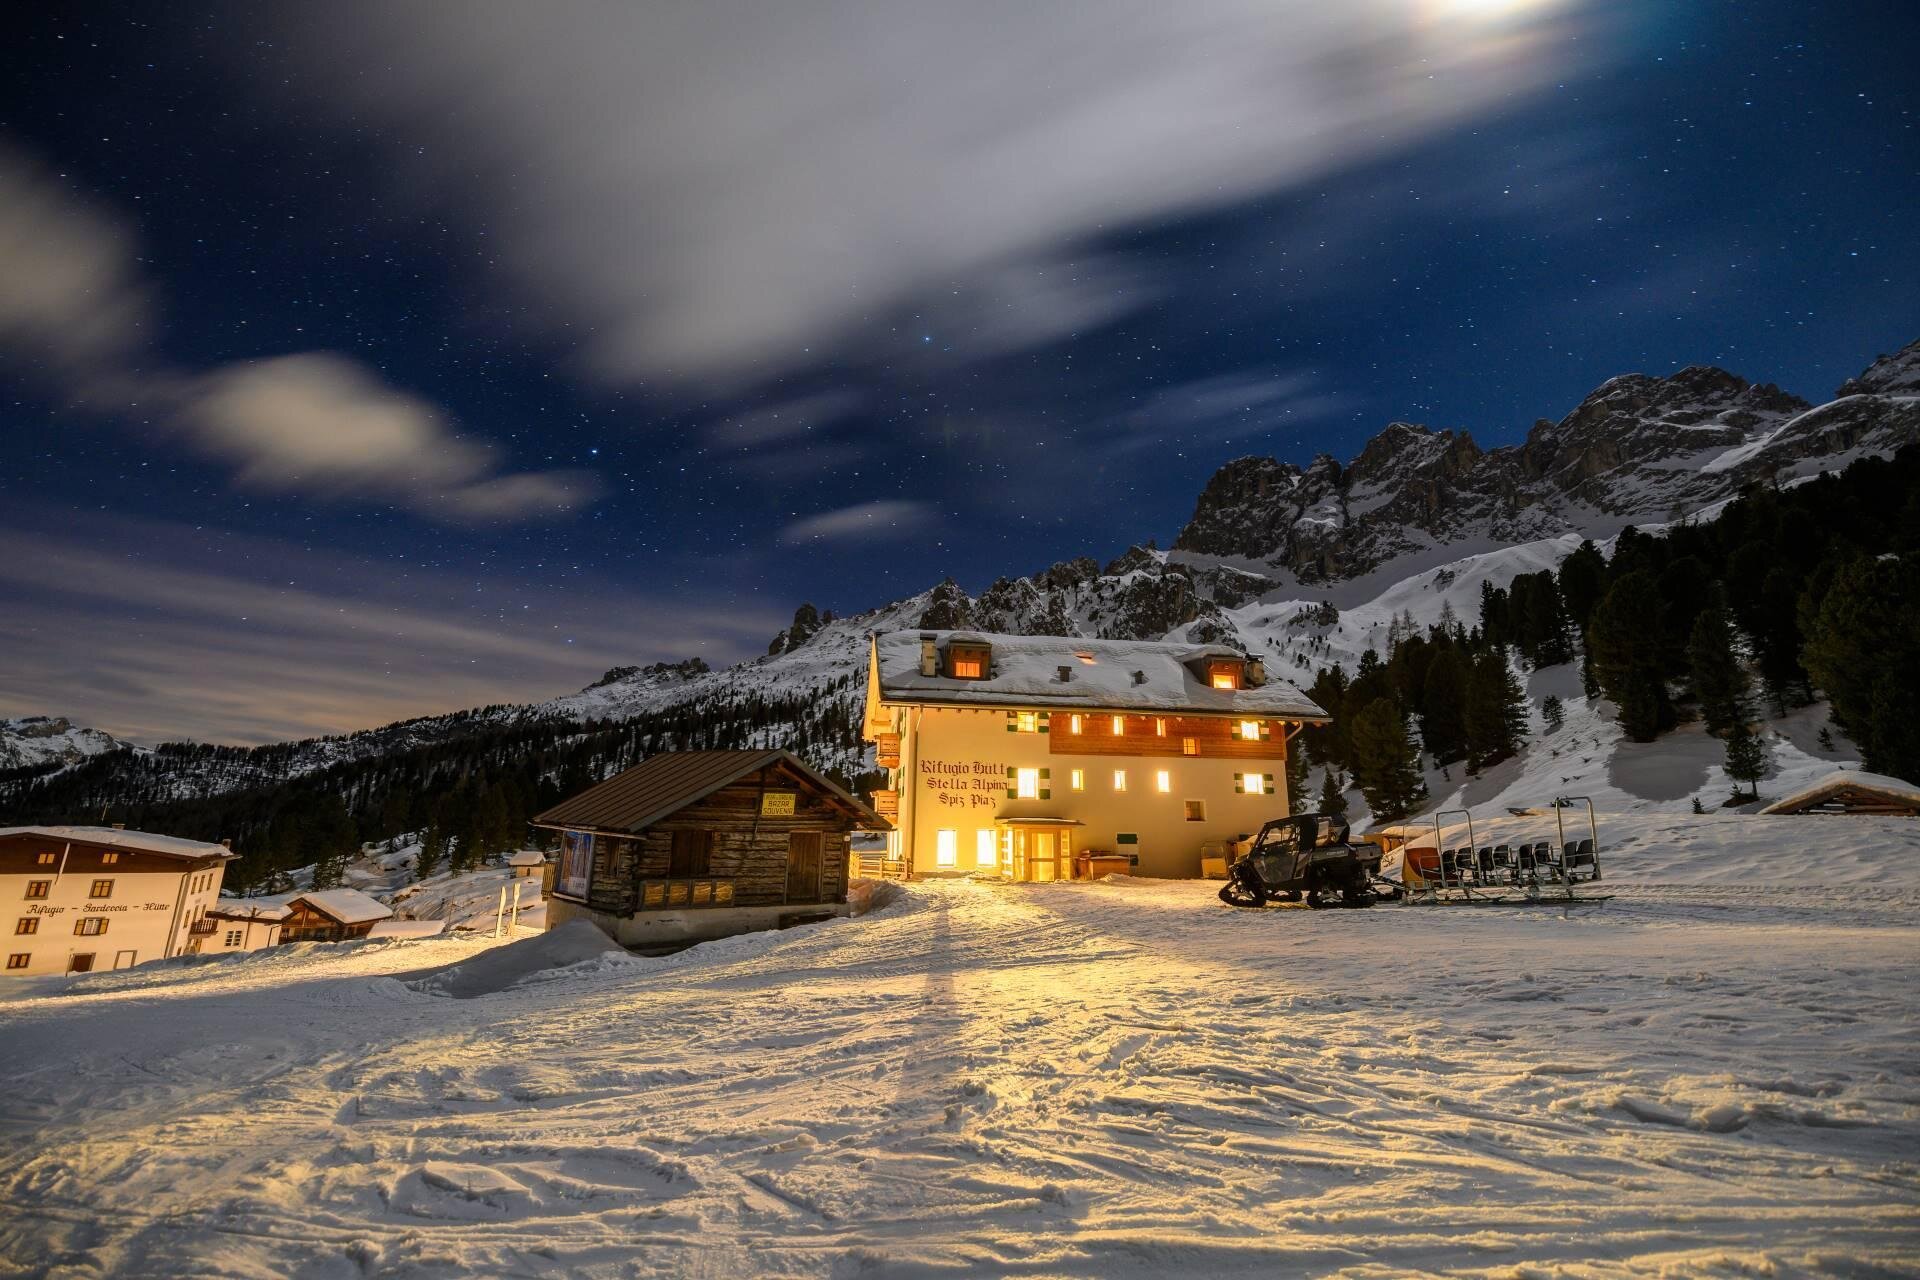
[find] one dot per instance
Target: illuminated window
(1162, 781)
(1250, 730)
(19, 960)
(90, 926)
(946, 848)
(1026, 784)
(108, 859)
(38, 888)
(1075, 723)
(27, 924)
(965, 668)
(1119, 725)
(1189, 746)
(1196, 811)
(1085, 657)
(47, 859)
(1254, 784)
(1078, 780)
(985, 854)
(101, 889)
(1028, 721)
(1160, 726)
(1119, 779)
(1224, 675)
(966, 662)
(1224, 680)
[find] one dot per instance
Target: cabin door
(803, 866)
(1044, 861)
(123, 959)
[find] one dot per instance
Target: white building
(1019, 754)
(244, 924)
(88, 898)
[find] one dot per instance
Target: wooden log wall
(1216, 739)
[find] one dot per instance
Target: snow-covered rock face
(38, 741)
(1637, 449)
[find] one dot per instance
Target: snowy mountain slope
(38, 741)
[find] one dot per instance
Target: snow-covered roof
(348, 906)
(1895, 789)
(263, 908)
(407, 929)
(526, 858)
(119, 838)
(1119, 675)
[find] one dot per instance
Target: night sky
(359, 361)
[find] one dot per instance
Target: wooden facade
(306, 923)
(1194, 737)
(763, 831)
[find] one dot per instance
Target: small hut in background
(331, 915)
(1850, 791)
(692, 845)
(526, 863)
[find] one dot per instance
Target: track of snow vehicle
(1307, 858)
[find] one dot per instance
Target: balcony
(202, 928)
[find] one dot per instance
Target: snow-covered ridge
(39, 741)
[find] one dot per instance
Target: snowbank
(528, 960)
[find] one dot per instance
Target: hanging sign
(778, 804)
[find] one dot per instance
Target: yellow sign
(778, 804)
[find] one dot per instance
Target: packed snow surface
(1704, 1075)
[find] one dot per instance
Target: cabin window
(946, 848)
(1075, 723)
(19, 960)
(1027, 721)
(1026, 784)
(966, 663)
(101, 889)
(1253, 784)
(1077, 779)
(1224, 675)
(1189, 746)
(691, 856)
(48, 859)
(90, 926)
(1162, 781)
(108, 859)
(1119, 726)
(38, 888)
(1119, 779)
(1196, 811)
(27, 924)
(985, 852)
(1250, 730)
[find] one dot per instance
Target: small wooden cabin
(331, 915)
(1851, 791)
(691, 845)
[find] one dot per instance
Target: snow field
(1118, 1079)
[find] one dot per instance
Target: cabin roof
(1892, 790)
(119, 838)
(662, 785)
(526, 858)
(348, 906)
(1101, 676)
(268, 909)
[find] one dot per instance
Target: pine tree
(1626, 647)
(1333, 795)
(1554, 713)
(1297, 791)
(1385, 765)
(1443, 707)
(1496, 712)
(1863, 647)
(1747, 759)
(1719, 681)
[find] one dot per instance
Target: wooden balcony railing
(201, 928)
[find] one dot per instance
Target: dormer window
(967, 661)
(1223, 674)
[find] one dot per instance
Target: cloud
(783, 421)
(728, 189)
(74, 300)
(859, 523)
(1223, 407)
(202, 633)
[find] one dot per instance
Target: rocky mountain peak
(1894, 375)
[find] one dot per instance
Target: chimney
(929, 656)
(1066, 673)
(1139, 677)
(227, 843)
(1256, 673)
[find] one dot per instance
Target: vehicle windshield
(1281, 839)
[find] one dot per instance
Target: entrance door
(1045, 858)
(123, 960)
(81, 964)
(803, 866)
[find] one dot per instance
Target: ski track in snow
(1120, 1079)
